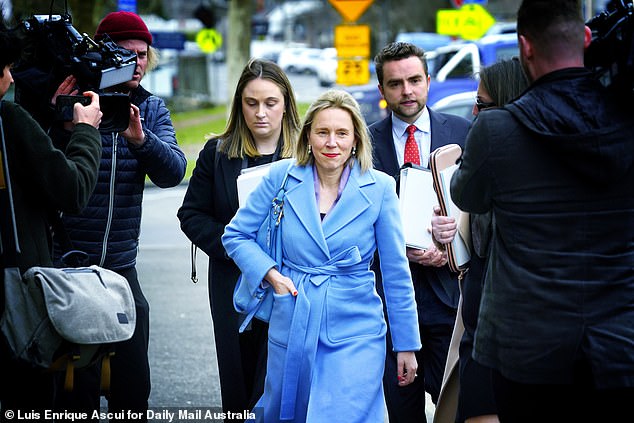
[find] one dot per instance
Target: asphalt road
(182, 352)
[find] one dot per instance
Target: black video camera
(52, 49)
(611, 53)
(51, 40)
(114, 106)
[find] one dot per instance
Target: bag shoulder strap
(193, 249)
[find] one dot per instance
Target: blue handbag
(259, 303)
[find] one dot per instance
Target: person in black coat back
(263, 126)
(404, 83)
(36, 181)
(556, 167)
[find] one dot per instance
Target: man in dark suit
(410, 134)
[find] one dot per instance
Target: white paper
(249, 179)
(417, 201)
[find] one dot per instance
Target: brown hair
(397, 51)
(237, 140)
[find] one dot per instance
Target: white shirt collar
(422, 123)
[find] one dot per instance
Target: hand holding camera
(116, 115)
(90, 113)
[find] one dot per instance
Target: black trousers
(406, 404)
(130, 369)
(23, 388)
(578, 402)
(241, 357)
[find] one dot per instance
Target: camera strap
(9, 245)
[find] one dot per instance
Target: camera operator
(109, 229)
(44, 180)
(555, 167)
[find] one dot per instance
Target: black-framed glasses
(483, 105)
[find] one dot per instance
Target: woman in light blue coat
(327, 328)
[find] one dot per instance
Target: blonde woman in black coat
(263, 127)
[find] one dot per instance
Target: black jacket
(556, 167)
(44, 180)
(108, 229)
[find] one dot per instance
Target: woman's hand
(407, 367)
(443, 228)
(280, 283)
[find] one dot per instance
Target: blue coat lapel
(300, 196)
(352, 203)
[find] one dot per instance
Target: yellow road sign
(351, 10)
(352, 41)
(470, 22)
(209, 40)
(353, 72)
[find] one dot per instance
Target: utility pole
(238, 41)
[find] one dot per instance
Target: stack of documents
(249, 179)
(417, 201)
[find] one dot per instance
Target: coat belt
(302, 342)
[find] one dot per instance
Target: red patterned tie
(411, 148)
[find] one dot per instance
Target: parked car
(327, 69)
(453, 69)
(300, 60)
(460, 104)
(502, 28)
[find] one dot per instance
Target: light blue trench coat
(327, 345)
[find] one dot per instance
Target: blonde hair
(153, 57)
(337, 99)
(237, 140)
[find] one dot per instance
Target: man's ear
(381, 90)
(526, 48)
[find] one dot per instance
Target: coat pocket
(281, 316)
(353, 313)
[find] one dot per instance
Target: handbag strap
(278, 200)
(277, 212)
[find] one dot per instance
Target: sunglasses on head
(484, 105)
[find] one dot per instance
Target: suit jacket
(337, 316)
(445, 129)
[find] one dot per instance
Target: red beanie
(123, 26)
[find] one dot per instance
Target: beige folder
(443, 164)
